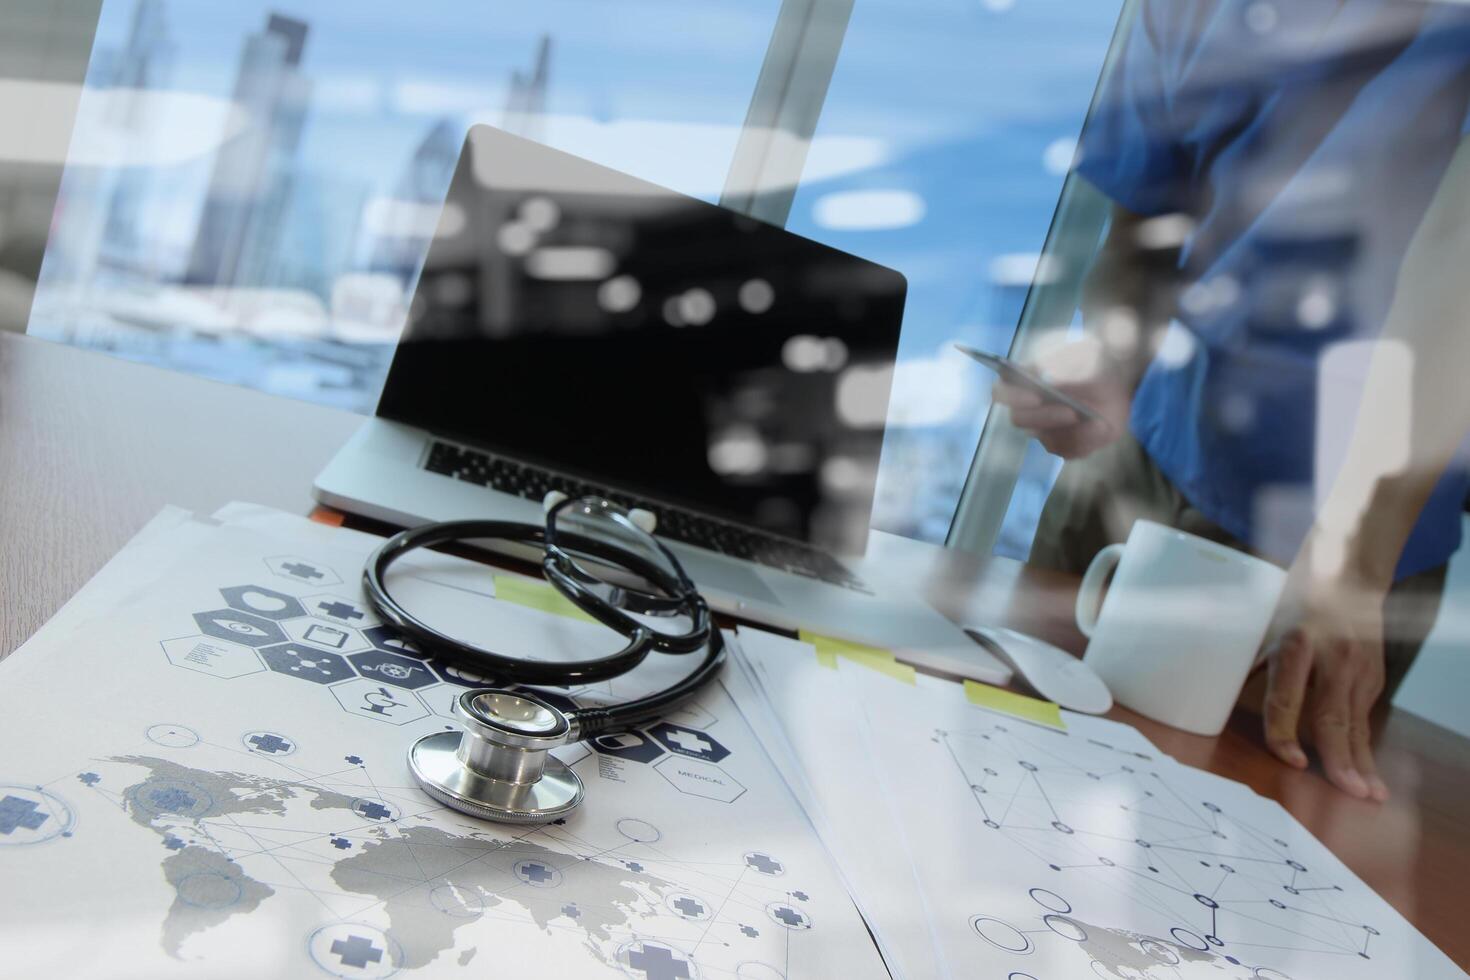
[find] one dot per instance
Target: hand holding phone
(1012, 373)
(1070, 419)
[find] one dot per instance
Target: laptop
(577, 329)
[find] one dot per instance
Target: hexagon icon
(687, 741)
(692, 716)
(210, 656)
(262, 601)
(239, 627)
(328, 636)
(440, 698)
(365, 698)
(695, 778)
(389, 639)
(340, 610)
(633, 746)
(302, 570)
(390, 668)
(306, 662)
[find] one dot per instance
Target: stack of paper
(208, 778)
(211, 782)
(979, 845)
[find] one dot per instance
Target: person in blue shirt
(1279, 329)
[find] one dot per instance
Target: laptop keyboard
(497, 473)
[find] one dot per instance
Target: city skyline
(334, 133)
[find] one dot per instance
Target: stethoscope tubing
(641, 640)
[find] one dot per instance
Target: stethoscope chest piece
(499, 767)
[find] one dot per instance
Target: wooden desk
(91, 447)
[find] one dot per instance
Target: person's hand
(1081, 370)
(1326, 672)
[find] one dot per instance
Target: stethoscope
(499, 766)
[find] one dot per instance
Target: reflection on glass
(1274, 333)
(612, 330)
(250, 189)
(1258, 237)
(976, 108)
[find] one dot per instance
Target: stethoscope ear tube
(468, 656)
(614, 618)
(680, 598)
(633, 714)
(500, 766)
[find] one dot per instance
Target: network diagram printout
(214, 785)
(1045, 855)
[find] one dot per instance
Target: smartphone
(1013, 373)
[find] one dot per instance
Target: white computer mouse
(1052, 672)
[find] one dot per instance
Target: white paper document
(208, 778)
(982, 846)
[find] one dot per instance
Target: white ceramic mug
(1180, 626)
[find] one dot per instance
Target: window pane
(250, 187)
(968, 113)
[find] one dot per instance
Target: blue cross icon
(799, 896)
(17, 812)
(535, 872)
(340, 610)
(270, 743)
(173, 843)
(300, 570)
(341, 843)
(763, 863)
(750, 931)
(356, 952)
(571, 911)
(635, 867)
(688, 907)
(355, 760)
(657, 963)
(90, 778)
(789, 916)
(373, 810)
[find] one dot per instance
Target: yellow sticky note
(884, 665)
(1016, 705)
(537, 595)
(873, 658)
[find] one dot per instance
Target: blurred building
(144, 65)
(525, 108)
(98, 209)
(236, 233)
(400, 246)
(406, 220)
(304, 233)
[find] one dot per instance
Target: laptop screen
(577, 318)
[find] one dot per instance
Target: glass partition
(1251, 233)
(972, 110)
(250, 187)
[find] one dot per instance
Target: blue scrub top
(1305, 140)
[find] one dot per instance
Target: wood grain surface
(91, 447)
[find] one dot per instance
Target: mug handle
(1089, 594)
